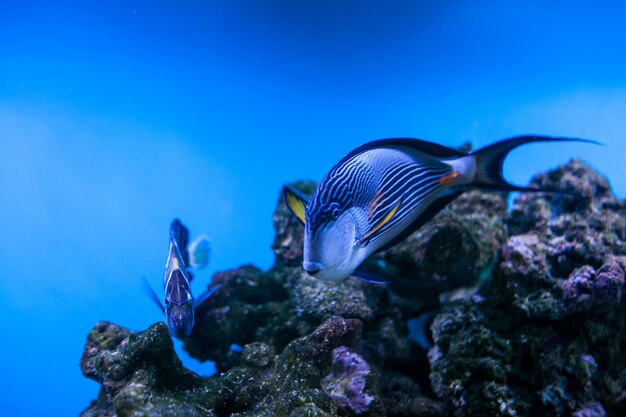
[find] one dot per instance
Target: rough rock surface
(547, 335)
(537, 329)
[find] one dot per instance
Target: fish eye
(334, 210)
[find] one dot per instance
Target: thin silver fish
(384, 190)
(178, 303)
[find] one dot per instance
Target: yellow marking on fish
(447, 179)
(296, 205)
(383, 222)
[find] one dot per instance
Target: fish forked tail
(489, 161)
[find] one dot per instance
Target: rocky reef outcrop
(546, 335)
(520, 312)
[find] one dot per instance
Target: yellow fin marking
(296, 205)
(447, 179)
(383, 222)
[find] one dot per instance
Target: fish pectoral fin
(147, 288)
(205, 296)
(376, 228)
(364, 275)
(296, 202)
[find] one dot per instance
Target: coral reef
(548, 334)
(527, 311)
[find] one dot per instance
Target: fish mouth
(312, 268)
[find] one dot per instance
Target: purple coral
(346, 382)
(586, 287)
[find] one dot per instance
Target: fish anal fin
(296, 202)
(364, 275)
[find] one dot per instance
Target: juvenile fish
(383, 191)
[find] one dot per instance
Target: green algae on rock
(141, 375)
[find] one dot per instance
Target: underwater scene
(313, 208)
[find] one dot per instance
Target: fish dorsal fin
(376, 228)
(429, 148)
(296, 202)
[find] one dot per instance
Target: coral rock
(546, 335)
(538, 327)
(455, 249)
(140, 374)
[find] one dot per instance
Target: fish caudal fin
(489, 161)
(296, 201)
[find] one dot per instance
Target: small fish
(383, 191)
(199, 252)
(178, 303)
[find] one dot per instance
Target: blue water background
(117, 116)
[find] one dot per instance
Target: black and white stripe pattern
(346, 185)
(412, 186)
(376, 181)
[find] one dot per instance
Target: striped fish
(178, 303)
(384, 190)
